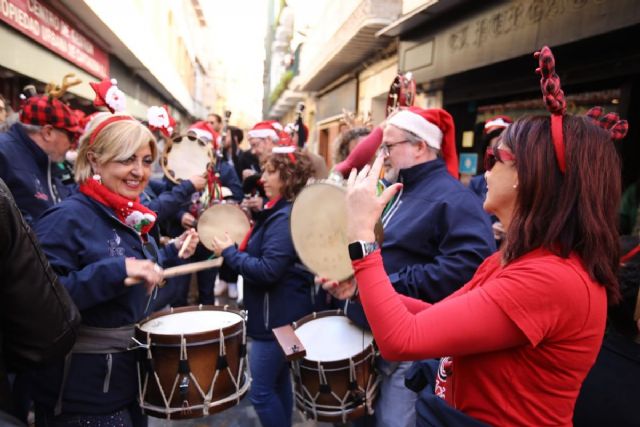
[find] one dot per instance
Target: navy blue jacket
(87, 246)
(278, 289)
(26, 170)
(436, 234)
(478, 184)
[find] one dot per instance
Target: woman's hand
(220, 244)
(187, 220)
(190, 237)
(364, 206)
(254, 203)
(340, 290)
(143, 271)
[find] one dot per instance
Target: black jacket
(38, 319)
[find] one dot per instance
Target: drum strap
(94, 340)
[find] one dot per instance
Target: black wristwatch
(360, 249)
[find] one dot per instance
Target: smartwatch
(360, 249)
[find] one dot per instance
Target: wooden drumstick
(181, 270)
(184, 246)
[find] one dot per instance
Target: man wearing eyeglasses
(46, 131)
(435, 233)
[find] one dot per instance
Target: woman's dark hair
(620, 316)
(574, 212)
(294, 175)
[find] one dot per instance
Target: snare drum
(185, 156)
(193, 361)
(336, 381)
(220, 218)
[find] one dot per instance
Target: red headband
(105, 123)
(553, 97)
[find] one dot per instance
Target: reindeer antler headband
(610, 122)
(555, 102)
(553, 97)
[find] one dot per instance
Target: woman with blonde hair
(95, 240)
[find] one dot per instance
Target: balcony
(350, 44)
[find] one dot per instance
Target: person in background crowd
(215, 121)
(30, 149)
(493, 128)
(628, 213)
(455, 234)
(347, 141)
(98, 243)
(38, 318)
(277, 289)
(539, 302)
(610, 392)
(4, 110)
(226, 177)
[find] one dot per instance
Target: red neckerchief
(129, 212)
(271, 203)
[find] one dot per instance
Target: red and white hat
(160, 119)
(108, 95)
(497, 123)
(435, 127)
(267, 129)
(205, 131)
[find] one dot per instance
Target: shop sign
(35, 20)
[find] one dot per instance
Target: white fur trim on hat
(263, 133)
(202, 134)
(283, 149)
(418, 125)
(497, 123)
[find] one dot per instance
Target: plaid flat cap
(43, 110)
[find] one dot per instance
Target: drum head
(221, 218)
(332, 338)
(185, 156)
(190, 322)
(319, 230)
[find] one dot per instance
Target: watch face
(356, 250)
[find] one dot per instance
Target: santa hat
(497, 123)
(108, 95)
(435, 127)
(160, 119)
(205, 131)
(267, 129)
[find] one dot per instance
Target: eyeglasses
(495, 155)
(386, 147)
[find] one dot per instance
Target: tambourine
(223, 217)
(402, 92)
(185, 156)
(319, 229)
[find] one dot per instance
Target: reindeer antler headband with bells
(556, 104)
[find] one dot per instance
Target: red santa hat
(435, 127)
(108, 95)
(267, 129)
(205, 131)
(497, 123)
(160, 119)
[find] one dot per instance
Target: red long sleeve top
(522, 336)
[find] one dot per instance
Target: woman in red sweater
(518, 339)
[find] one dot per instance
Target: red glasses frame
(495, 155)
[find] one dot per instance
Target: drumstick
(184, 245)
(181, 270)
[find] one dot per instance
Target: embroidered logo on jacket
(114, 245)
